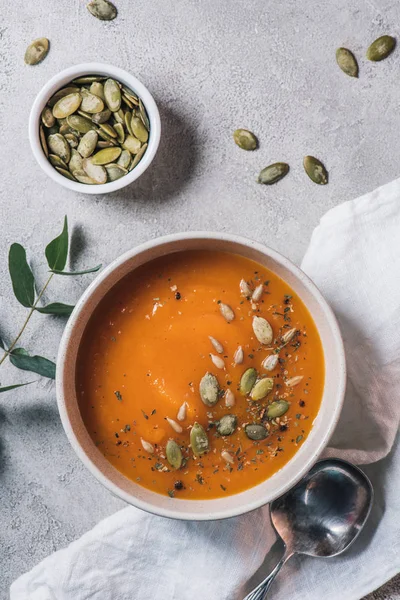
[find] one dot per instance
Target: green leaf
(37, 364)
(56, 308)
(22, 278)
(7, 388)
(57, 251)
(72, 273)
(2, 344)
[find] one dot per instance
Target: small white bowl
(280, 482)
(59, 81)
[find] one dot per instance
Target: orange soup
(200, 374)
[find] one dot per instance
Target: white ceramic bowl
(59, 81)
(266, 491)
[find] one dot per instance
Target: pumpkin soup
(200, 374)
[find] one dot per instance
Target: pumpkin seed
(137, 158)
(120, 132)
(226, 312)
(82, 177)
(97, 89)
(238, 357)
(67, 105)
(56, 161)
(76, 162)
(226, 425)
(270, 363)
(102, 9)
(43, 141)
(198, 440)
(258, 292)
(315, 170)
(132, 144)
(209, 389)
(247, 381)
(245, 139)
(95, 172)
(130, 93)
(86, 79)
(59, 145)
(119, 116)
(80, 123)
(277, 409)
(108, 129)
(106, 137)
(125, 99)
(262, 330)
(262, 388)
(381, 48)
(294, 380)
(216, 344)
(124, 159)
(273, 173)
(227, 457)
(245, 288)
(143, 115)
(101, 117)
(91, 103)
(104, 144)
(37, 51)
(72, 140)
(115, 171)
(181, 416)
(139, 130)
(217, 361)
(256, 432)
(128, 122)
(71, 89)
(229, 398)
(47, 117)
(175, 426)
(147, 446)
(66, 173)
(106, 156)
(347, 62)
(174, 454)
(88, 143)
(112, 95)
(289, 335)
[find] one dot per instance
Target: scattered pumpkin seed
(209, 389)
(256, 432)
(198, 440)
(270, 363)
(381, 48)
(226, 312)
(247, 381)
(315, 170)
(174, 454)
(106, 156)
(115, 171)
(37, 51)
(245, 139)
(277, 409)
(347, 62)
(262, 388)
(273, 173)
(102, 9)
(262, 330)
(226, 425)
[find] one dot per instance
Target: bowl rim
(67, 339)
(67, 75)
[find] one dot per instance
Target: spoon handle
(260, 592)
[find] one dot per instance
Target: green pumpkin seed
(47, 117)
(115, 171)
(246, 140)
(97, 89)
(88, 143)
(66, 173)
(95, 172)
(262, 388)
(104, 136)
(84, 114)
(381, 48)
(102, 9)
(139, 130)
(198, 440)
(125, 99)
(120, 132)
(43, 141)
(277, 409)
(37, 51)
(101, 117)
(133, 101)
(86, 79)
(247, 381)
(76, 162)
(226, 425)
(132, 144)
(174, 454)
(59, 146)
(137, 158)
(71, 89)
(125, 159)
(80, 123)
(262, 330)
(72, 140)
(104, 144)
(112, 95)
(91, 103)
(143, 115)
(256, 432)
(128, 122)
(119, 116)
(209, 389)
(108, 155)
(56, 161)
(108, 129)
(130, 93)
(315, 170)
(67, 105)
(82, 177)
(347, 62)
(273, 173)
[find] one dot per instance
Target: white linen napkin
(354, 258)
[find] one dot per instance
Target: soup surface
(146, 353)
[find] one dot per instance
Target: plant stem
(7, 352)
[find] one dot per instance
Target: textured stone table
(212, 67)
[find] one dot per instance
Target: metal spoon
(321, 516)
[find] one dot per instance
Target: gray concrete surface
(212, 66)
